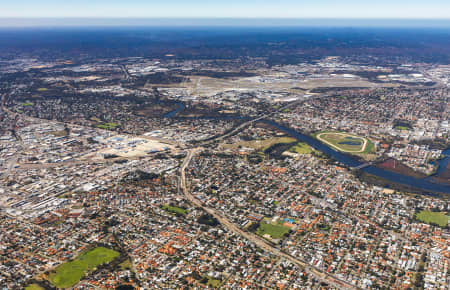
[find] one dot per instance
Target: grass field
(370, 147)
(260, 145)
(42, 89)
(214, 282)
(108, 126)
(34, 287)
(70, 273)
(175, 209)
(301, 148)
(27, 104)
(433, 217)
(126, 265)
(275, 231)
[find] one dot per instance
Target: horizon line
(24, 22)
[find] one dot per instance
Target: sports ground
(276, 231)
(345, 142)
(433, 218)
(69, 274)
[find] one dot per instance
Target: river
(171, 114)
(423, 184)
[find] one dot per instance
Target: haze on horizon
(86, 12)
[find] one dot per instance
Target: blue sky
(423, 9)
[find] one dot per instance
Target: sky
(423, 9)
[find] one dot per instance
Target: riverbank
(416, 184)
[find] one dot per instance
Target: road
(260, 242)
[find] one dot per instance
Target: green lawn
(70, 273)
(433, 217)
(126, 265)
(401, 128)
(34, 287)
(112, 124)
(108, 126)
(27, 104)
(301, 148)
(370, 147)
(275, 141)
(275, 231)
(175, 209)
(214, 282)
(42, 89)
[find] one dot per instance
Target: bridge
(367, 164)
(364, 165)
